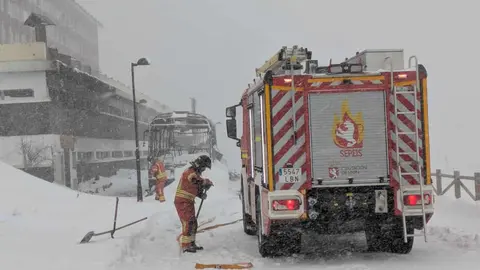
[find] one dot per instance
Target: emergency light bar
(345, 68)
(293, 54)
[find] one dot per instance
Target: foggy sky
(209, 50)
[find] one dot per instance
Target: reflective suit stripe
(186, 213)
(183, 194)
(161, 177)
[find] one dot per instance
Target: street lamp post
(140, 62)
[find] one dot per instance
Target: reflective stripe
(161, 175)
(186, 239)
(183, 194)
(191, 176)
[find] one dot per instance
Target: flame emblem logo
(347, 129)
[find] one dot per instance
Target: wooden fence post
(477, 186)
(438, 175)
(456, 179)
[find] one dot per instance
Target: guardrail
(457, 184)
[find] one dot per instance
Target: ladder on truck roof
(287, 59)
(285, 56)
(416, 174)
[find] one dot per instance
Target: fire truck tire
(398, 244)
(264, 247)
(390, 240)
(249, 226)
(275, 245)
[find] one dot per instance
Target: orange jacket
(158, 171)
(189, 186)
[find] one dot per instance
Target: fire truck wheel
(264, 246)
(289, 244)
(249, 226)
(398, 244)
(389, 238)
(274, 245)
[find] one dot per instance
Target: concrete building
(75, 32)
(60, 118)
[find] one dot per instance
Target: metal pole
(137, 151)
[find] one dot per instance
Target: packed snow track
(155, 246)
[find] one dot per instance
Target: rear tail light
(416, 199)
(286, 205)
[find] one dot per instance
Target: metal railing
(456, 181)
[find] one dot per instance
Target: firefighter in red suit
(190, 186)
(160, 174)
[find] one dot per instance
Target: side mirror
(231, 112)
(232, 129)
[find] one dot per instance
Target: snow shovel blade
(87, 237)
(91, 234)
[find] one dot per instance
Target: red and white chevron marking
(407, 146)
(284, 149)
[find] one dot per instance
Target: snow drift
(41, 223)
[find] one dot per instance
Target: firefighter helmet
(202, 162)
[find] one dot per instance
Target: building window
(102, 155)
(16, 93)
(84, 156)
(117, 154)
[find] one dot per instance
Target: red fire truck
(335, 149)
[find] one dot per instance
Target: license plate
(290, 175)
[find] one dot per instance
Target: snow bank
(456, 222)
(46, 221)
(455, 237)
(23, 193)
(459, 213)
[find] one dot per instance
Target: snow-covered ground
(124, 184)
(41, 224)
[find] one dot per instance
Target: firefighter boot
(197, 247)
(190, 249)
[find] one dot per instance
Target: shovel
(91, 234)
(114, 219)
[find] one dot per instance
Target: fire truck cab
(334, 149)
